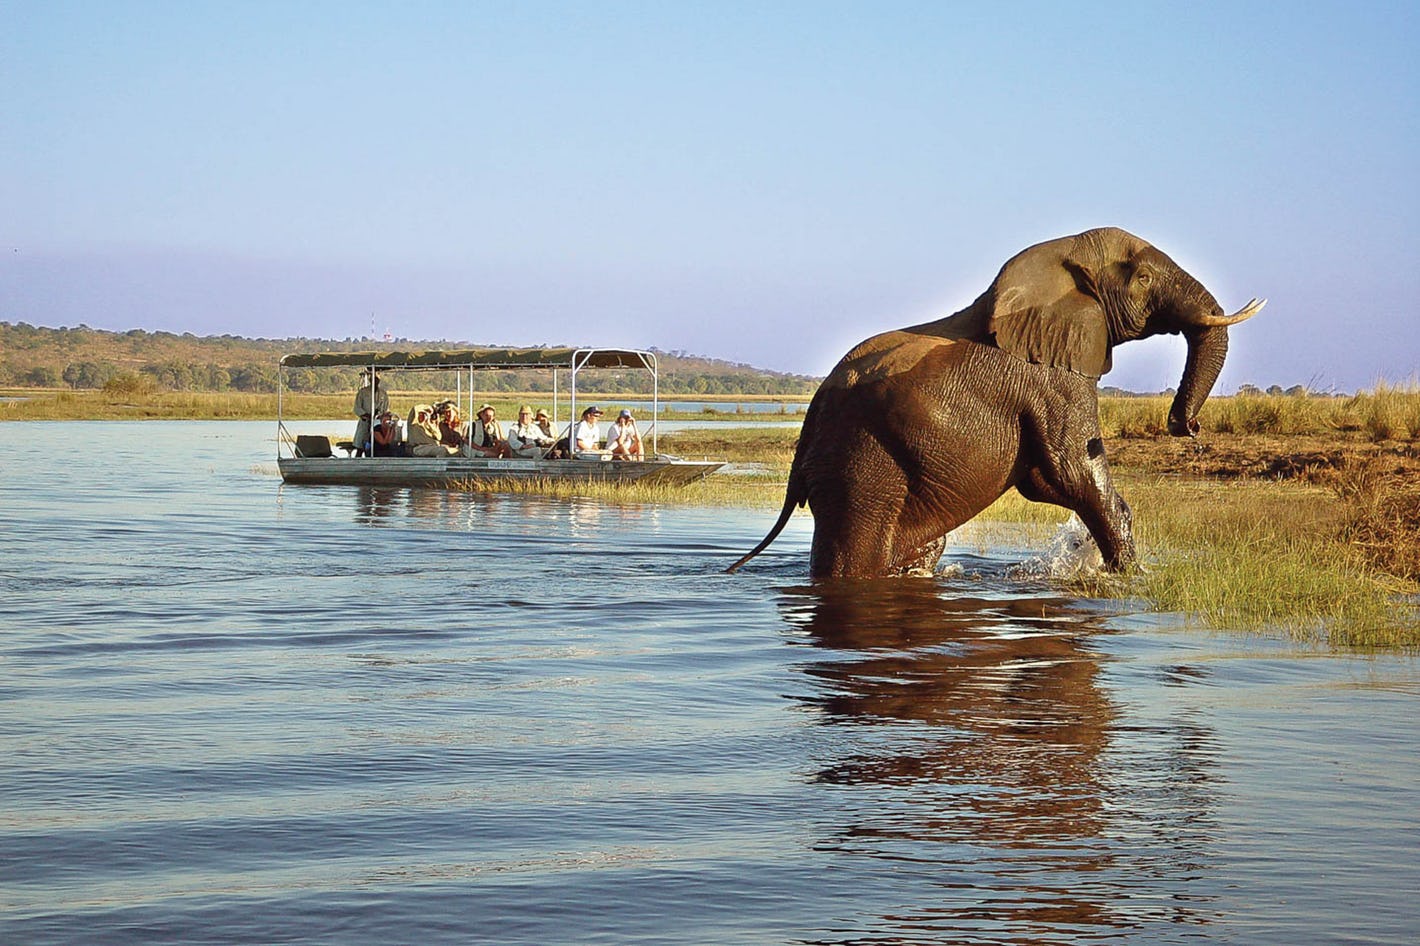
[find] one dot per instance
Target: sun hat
(624, 413)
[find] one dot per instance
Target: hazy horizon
(763, 184)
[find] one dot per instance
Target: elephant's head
(1068, 302)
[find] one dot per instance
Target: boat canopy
(493, 358)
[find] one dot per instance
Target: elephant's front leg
(1070, 470)
(1108, 516)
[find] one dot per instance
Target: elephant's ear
(1046, 309)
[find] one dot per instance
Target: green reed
(1258, 555)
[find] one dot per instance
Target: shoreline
(1287, 515)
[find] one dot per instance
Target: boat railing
(557, 360)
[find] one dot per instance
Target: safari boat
(312, 459)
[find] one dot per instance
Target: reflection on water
(479, 512)
(563, 722)
(975, 740)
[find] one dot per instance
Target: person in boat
(527, 438)
(371, 400)
(623, 439)
(423, 437)
(452, 433)
(385, 436)
(544, 423)
(589, 432)
(485, 438)
(559, 446)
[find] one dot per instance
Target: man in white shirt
(528, 439)
(588, 437)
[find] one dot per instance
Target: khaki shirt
(421, 434)
(362, 400)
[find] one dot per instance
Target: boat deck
(444, 472)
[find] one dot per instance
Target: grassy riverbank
(121, 403)
(1305, 518)
(1293, 513)
(1328, 551)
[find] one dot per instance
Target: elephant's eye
(1144, 278)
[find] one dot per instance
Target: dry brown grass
(1388, 412)
(1380, 518)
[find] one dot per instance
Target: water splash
(1072, 553)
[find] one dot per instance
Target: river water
(236, 712)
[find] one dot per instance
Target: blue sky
(767, 182)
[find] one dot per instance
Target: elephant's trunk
(1206, 350)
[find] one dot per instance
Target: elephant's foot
(1118, 544)
(1123, 559)
(921, 563)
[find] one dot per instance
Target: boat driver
(371, 400)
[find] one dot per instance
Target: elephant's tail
(784, 514)
(796, 492)
(794, 495)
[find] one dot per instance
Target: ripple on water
(234, 712)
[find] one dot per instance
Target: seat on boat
(312, 446)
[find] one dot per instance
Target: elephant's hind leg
(922, 561)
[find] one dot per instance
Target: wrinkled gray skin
(917, 430)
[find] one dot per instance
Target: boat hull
(440, 472)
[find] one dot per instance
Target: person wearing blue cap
(623, 439)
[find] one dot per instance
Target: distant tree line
(87, 358)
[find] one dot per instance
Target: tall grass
(1381, 520)
(1388, 412)
(1265, 555)
(1391, 412)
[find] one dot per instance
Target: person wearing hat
(623, 439)
(559, 444)
(423, 436)
(544, 423)
(486, 436)
(528, 439)
(371, 401)
(453, 432)
(589, 431)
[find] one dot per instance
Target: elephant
(915, 431)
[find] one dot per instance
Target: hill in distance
(83, 357)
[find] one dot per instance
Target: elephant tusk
(1253, 307)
